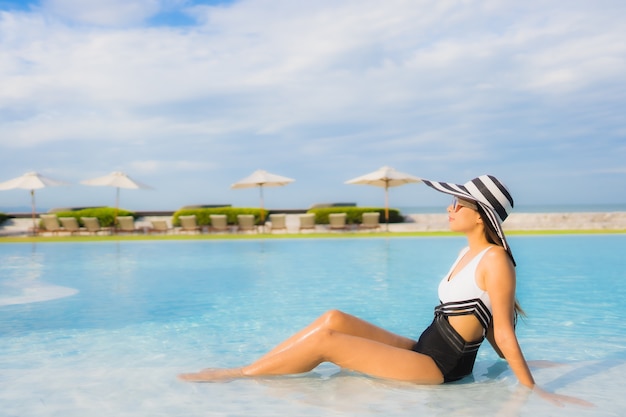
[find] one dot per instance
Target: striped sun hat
(490, 194)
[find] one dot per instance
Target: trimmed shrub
(3, 218)
(105, 215)
(203, 214)
(354, 215)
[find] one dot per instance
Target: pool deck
(609, 221)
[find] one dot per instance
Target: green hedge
(354, 215)
(203, 214)
(105, 215)
(3, 218)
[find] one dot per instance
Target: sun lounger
(278, 221)
(307, 221)
(245, 222)
(70, 224)
(189, 224)
(126, 224)
(50, 223)
(92, 225)
(337, 221)
(370, 220)
(159, 226)
(219, 223)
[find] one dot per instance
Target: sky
(191, 96)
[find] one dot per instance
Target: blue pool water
(102, 329)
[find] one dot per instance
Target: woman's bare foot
(211, 374)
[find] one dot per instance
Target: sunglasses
(458, 203)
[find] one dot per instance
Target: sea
(563, 208)
(548, 208)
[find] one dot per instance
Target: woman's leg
(319, 343)
(349, 352)
(345, 323)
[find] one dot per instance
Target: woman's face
(462, 215)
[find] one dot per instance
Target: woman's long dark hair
(493, 238)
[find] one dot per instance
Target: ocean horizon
(405, 210)
(539, 208)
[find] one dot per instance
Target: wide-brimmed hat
(489, 193)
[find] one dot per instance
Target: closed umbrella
(31, 181)
(385, 177)
(118, 180)
(261, 178)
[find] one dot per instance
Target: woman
(477, 302)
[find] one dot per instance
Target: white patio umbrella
(261, 178)
(31, 181)
(118, 180)
(385, 177)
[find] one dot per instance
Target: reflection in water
(20, 280)
(119, 266)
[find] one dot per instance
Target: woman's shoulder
(494, 269)
(495, 251)
(497, 257)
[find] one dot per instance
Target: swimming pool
(102, 329)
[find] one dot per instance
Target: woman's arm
(492, 341)
(498, 276)
(499, 279)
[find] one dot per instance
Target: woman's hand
(559, 399)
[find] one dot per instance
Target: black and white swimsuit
(459, 295)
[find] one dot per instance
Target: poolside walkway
(414, 223)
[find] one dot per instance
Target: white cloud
(153, 166)
(361, 81)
